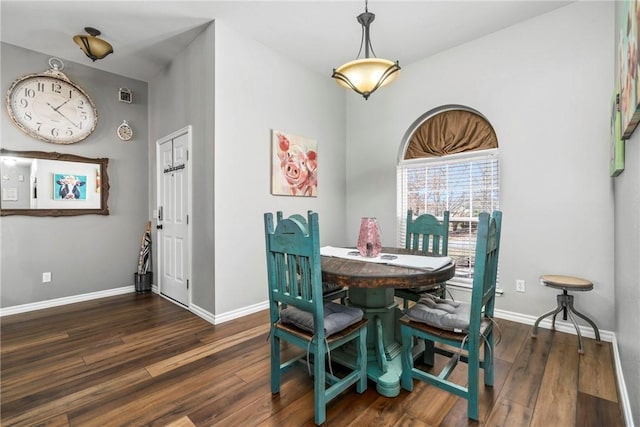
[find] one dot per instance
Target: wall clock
(124, 131)
(50, 107)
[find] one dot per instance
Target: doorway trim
(188, 130)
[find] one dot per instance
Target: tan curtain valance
(451, 132)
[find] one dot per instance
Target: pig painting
(295, 166)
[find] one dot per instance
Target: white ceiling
(320, 34)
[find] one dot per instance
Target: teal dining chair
(465, 326)
(330, 291)
(428, 234)
(300, 316)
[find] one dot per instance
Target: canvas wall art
(294, 165)
(628, 66)
(69, 187)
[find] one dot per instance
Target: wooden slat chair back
(295, 280)
(429, 235)
(330, 291)
(480, 329)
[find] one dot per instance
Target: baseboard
(561, 326)
(212, 318)
(622, 387)
(234, 314)
(65, 300)
(200, 312)
(230, 315)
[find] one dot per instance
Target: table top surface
(363, 274)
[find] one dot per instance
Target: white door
(174, 236)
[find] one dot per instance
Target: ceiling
(319, 35)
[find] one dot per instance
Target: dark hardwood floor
(139, 360)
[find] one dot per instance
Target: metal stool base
(565, 304)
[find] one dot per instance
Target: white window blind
(465, 185)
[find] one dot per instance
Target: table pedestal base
(384, 365)
(371, 288)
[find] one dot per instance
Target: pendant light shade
(92, 46)
(365, 76)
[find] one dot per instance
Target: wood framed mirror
(39, 183)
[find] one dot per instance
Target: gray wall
(88, 253)
(181, 95)
(255, 90)
(545, 85)
(258, 90)
(627, 278)
(627, 266)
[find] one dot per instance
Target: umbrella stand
(143, 276)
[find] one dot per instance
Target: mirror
(39, 183)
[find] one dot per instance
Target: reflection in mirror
(40, 183)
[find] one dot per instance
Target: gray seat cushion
(336, 317)
(441, 313)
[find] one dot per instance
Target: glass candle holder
(369, 238)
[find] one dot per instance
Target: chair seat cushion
(441, 313)
(336, 317)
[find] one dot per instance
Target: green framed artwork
(616, 148)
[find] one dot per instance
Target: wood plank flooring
(140, 360)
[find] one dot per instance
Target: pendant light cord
(365, 19)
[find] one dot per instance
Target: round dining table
(371, 288)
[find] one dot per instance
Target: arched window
(448, 160)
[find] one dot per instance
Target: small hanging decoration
(124, 131)
(125, 95)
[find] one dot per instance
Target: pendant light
(91, 45)
(366, 75)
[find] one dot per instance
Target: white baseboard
(561, 326)
(200, 312)
(230, 315)
(622, 387)
(234, 314)
(65, 300)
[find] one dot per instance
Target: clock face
(124, 131)
(51, 108)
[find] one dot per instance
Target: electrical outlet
(46, 277)
(520, 285)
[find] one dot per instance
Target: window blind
(465, 185)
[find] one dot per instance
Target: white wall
(545, 85)
(258, 90)
(16, 178)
